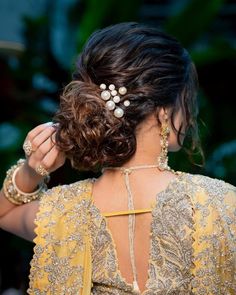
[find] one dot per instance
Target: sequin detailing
(192, 247)
(61, 263)
(215, 236)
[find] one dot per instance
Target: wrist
(27, 179)
(27, 192)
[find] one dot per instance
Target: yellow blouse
(192, 249)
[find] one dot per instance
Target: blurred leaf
(107, 12)
(218, 165)
(218, 50)
(193, 20)
(92, 19)
(9, 137)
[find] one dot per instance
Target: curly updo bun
(157, 72)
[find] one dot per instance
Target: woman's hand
(44, 155)
(41, 151)
(44, 151)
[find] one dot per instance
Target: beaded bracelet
(14, 194)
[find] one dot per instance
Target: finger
(50, 159)
(42, 137)
(61, 155)
(60, 159)
(47, 159)
(38, 129)
(43, 149)
(40, 152)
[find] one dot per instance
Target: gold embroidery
(214, 236)
(192, 247)
(171, 252)
(59, 261)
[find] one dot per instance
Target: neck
(147, 144)
(140, 159)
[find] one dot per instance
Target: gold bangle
(13, 193)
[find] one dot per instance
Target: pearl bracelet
(14, 194)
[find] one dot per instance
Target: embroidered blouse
(192, 250)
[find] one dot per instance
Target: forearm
(5, 205)
(18, 220)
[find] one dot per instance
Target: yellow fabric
(220, 227)
(62, 248)
(127, 212)
(62, 262)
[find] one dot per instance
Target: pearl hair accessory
(112, 97)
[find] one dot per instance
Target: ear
(163, 114)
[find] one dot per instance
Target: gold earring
(162, 160)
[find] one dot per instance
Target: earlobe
(163, 115)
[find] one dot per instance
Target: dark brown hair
(157, 72)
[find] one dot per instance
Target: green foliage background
(24, 105)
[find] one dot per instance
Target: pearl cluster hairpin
(111, 96)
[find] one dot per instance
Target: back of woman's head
(157, 72)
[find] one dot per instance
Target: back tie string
(127, 172)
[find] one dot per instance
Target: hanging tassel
(136, 287)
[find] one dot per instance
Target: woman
(140, 228)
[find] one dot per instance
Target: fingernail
(56, 124)
(49, 123)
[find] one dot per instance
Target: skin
(145, 185)
(20, 219)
